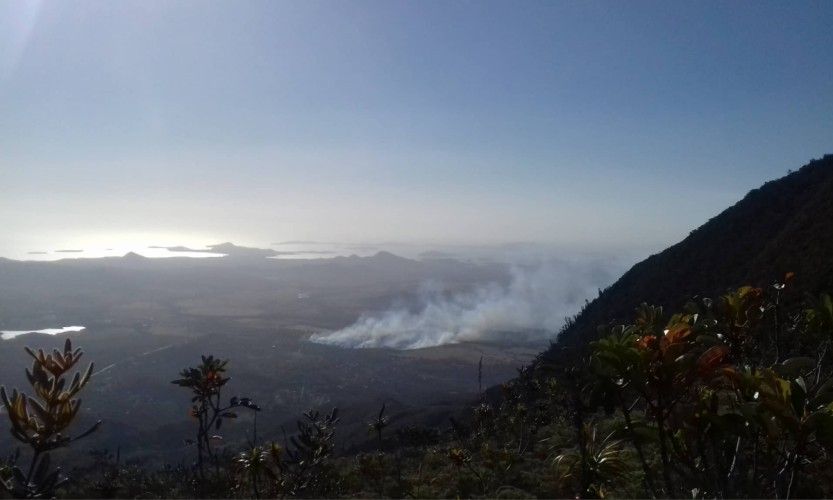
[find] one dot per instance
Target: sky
(597, 125)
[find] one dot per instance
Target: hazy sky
(604, 124)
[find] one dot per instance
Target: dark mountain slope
(785, 225)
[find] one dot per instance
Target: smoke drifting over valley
(530, 307)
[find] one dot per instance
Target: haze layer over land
(145, 319)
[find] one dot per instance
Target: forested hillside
(786, 225)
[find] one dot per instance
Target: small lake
(10, 334)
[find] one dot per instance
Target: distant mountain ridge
(786, 225)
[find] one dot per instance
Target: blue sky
(615, 125)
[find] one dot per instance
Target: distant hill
(786, 225)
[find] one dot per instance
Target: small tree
(206, 382)
(41, 421)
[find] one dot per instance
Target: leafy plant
(716, 396)
(378, 425)
(41, 421)
(307, 471)
(600, 466)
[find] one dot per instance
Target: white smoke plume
(531, 307)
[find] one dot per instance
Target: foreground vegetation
(730, 397)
